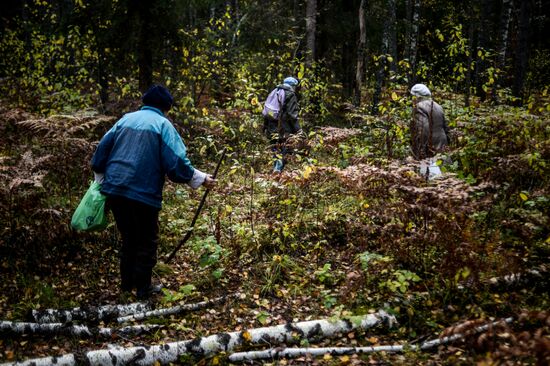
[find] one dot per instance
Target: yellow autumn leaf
(301, 72)
(344, 359)
(9, 355)
(215, 361)
(523, 196)
(394, 96)
(156, 363)
(246, 336)
(327, 356)
(205, 112)
(307, 172)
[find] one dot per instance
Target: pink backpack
(274, 103)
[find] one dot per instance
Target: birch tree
(413, 44)
(504, 26)
(90, 314)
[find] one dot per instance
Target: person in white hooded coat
(429, 130)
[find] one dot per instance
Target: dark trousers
(138, 226)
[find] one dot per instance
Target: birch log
(79, 331)
(223, 342)
(518, 279)
(277, 353)
(92, 313)
(174, 310)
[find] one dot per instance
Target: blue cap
(159, 97)
(290, 81)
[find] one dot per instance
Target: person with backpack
(280, 114)
(131, 162)
(429, 130)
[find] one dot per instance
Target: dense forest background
(349, 228)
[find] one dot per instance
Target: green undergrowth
(349, 227)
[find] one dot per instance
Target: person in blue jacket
(131, 163)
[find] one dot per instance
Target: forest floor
(342, 231)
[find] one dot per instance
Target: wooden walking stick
(190, 230)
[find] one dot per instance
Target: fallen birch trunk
(526, 278)
(454, 337)
(174, 310)
(278, 353)
(106, 312)
(519, 279)
(223, 342)
(79, 331)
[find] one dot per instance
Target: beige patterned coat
(429, 131)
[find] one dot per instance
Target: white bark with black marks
(174, 310)
(521, 279)
(539, 276)
(505, 15)
(90, 314)
(8, 328)
(277, 353)
(223, 342)
(413, 42)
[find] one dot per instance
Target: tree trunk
(383, 59)
(529, 278)
(8, 328)
(503, 42)
(90, 314)
(311, 26)
(348, 76)
(174, 310)
(413, 47)
(223, 342)
(392, 36)
(471, 33)
(522, 52)
(408, 24)
(360, 68)
(275, 354)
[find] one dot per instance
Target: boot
(147, 292)
(278, 166)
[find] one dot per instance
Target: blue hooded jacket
(138, 152)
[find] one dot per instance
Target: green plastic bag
(90, 213)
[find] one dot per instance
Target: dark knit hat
(159, 97)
